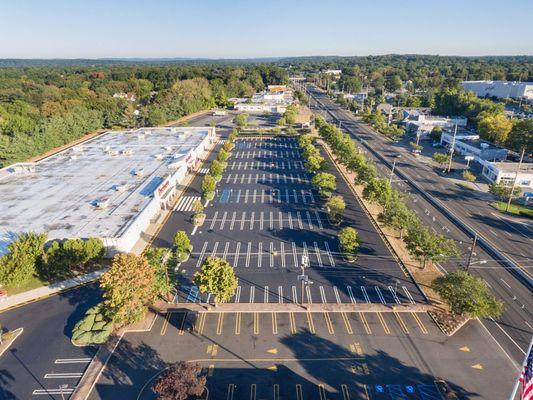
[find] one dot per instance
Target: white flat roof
(120, 168)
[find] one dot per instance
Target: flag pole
(517, 383)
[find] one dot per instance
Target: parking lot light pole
(469, 262)
(393, 168)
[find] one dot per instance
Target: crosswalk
(265, 196)
(203, 171)
(313, 294)
(185, 203)
(267, 178)
(251, 165)
(266, 220)
(221, 141)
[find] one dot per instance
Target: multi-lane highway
(514, 329)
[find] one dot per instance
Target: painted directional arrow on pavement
(272, 351)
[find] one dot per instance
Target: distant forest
(48, 103)
(45, 107)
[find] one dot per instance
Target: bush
(228, 146)
(223, 155)
(468, 176)
(182, 246)
(209, 185)
(94, 328)
(349, 242)
(216, 170)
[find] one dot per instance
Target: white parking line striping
(280, 218)
(323, 295)
(319, 220)
(317, 252)
(408, 294)
(271, 255)
(213, 221)
(330, 256)
(294, 254)
(337, 297)
(282, 254)
(226, 248)
(365, 294)
(394, 295)
(72, 360)
(252, 294)
(223, 222)
(214, 251)
(308, 292)
(300, 224)
(380, 295)
(185, 203)
(294, 294)
(248, 250)
(201, 256)
(309, 220)
(65, 375)
(271, 220)
(232, 223)
(252, 217)
(350, 294)
(280, 294)
(237, 250)
(290, 220)
(261, 220)
(265, 296)
(259, 254)
(48, 392)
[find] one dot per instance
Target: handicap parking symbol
(380, 389)
(410, 389)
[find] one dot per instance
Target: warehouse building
(112, 186)
(505, 173)
(469, 144)
(500, 89)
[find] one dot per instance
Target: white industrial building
(422, 124)
(112, 186)
(276, 108)
(500, 89)
(469, 144)
(505, 173)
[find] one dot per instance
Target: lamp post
(393, 168)
(303, 278)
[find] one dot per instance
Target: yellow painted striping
(238, 323)
(322, 392)
(278, 360)
(401, 322)
(420, 324)
(214, 350)
(345, 393)
(365, 323)
(181, 330)
(220, 323)
(299, 393)
(347, 323)
(253, 391)
(383, 323)
(231, 391)
(310, 322)
(276, 391)
(328, 323)
(292, 323)
(274, 324)
(210, 370)
(366, 393)
(256, 323)
(165, 324)
(200, 322)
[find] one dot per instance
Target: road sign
(469, 158)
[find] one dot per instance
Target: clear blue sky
(253, 28)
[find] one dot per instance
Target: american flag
(527, 378)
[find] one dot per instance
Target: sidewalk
(46, 291)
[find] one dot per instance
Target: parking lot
(266, 216)
(303, 356)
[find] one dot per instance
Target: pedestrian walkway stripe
(185, 203)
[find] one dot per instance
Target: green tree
(427, 246)
(314, 163)
(208, 187)
(335, 207)
(160, 258)
(521, 136)
(325, 183)
(366, 173)
(216, 276)
(241, 120)
(441, 158)
(467, 295)
(182, 245)
(378, 191)
(216, 170)
(349, 242)
(129, 287)
(436, 133)
(155, 117)
(500, 190)
(223, 155)
(494, 127)
(281, 121)
(396, 215)
(19, 264)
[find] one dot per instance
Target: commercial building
(500, 89)
(276, 108)
(469, 144)
(112, 186)
(505, 173)
(422, 124)
(274, 100)
(334, 72)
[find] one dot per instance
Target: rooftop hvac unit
(107, 148)
(121, 188)
(101, 203)
(127, 152)
(485, 146)
(139, 172)
(159, 156)
(77, 149)
(112, 152)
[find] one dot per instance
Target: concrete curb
(4, 346)
(104, 353)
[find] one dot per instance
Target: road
(515, 328)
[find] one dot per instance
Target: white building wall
(500, 89)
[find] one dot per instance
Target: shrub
(209, 185)
(216, 170)
(181, 381)
(468, 176)
(228, 146)
(182, 245)
(94, 328)
(223, 155)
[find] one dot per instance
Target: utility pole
(452, 149)
(515, 179)
(393, 168)
(471, 253)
